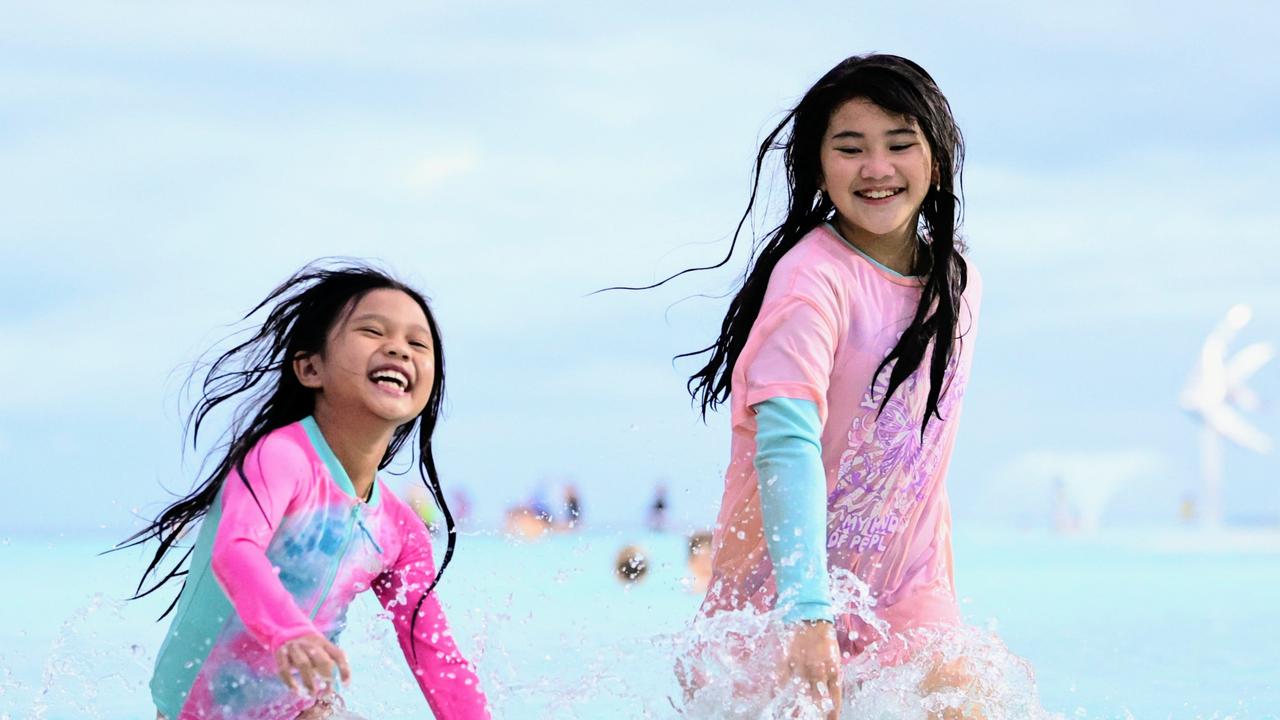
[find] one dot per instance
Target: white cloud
(1129, 237)
(429, 172)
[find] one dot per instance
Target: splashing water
(82, 668)
(556, 643)
(729, 663)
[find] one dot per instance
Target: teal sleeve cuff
(793, 502)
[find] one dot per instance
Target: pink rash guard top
(286, 560)
(830, 316)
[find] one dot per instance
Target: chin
(395, 415)
(881, 228)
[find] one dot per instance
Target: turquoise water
(1125, 625)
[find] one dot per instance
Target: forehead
(862, 115)
(392, 304)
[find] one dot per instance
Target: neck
(358, 445)
(895, 250)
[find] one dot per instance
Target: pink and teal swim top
(286, 561)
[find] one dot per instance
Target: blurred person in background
(658, 509)
(572, 509)
(699, 561)
(631, 565)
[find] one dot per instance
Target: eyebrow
(859, 136)
(382, 319)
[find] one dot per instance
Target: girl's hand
(813, 662)
(314, 658)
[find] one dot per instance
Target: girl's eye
(419, 345)
(371, 331)
(898, 148)
(849, 151)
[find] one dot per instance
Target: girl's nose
(876, 166)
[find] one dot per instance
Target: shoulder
(285, 448)
(406, 532)
(398, 510)
(395, 506)
(810, 269)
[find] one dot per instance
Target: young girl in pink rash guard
(844, 359)
(346, 368)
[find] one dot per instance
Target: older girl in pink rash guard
(844, 358)
(346, 368)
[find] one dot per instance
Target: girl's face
(876, 167)
(377, 360)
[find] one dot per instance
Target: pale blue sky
(162, 166)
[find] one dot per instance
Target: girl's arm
(448, 681)
(274, 469)
(793, 502)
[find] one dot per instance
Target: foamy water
(1140, 625)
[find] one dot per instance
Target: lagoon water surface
(1151, 624)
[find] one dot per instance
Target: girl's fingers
(302, 663)
(340, 658)
(824, 686)
(320, 660)
(285, 669)
(314, 659)
(829, 691)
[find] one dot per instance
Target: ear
(306, 367)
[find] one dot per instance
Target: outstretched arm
(448, 680)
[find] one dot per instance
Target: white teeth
(391, 376)
(878, 194)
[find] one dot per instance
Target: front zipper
(369, 536)
(333, 574)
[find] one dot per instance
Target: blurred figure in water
(631, 565)
(532, 519)
(526, 523)
(539, 506)
(699, 561)
(1187, 509)
(460, 503)
(658, 510)
(1065, 518)
(424, 507)
(572, 509)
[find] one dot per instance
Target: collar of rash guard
(331, 462)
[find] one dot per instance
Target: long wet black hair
(258, 372)
(899, 86)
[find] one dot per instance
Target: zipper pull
(365, 530)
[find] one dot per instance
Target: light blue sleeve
(793, 502)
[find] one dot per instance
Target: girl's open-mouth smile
(880, 196)
(391, 380)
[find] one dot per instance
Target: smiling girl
(844, 358)
(294, 522)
